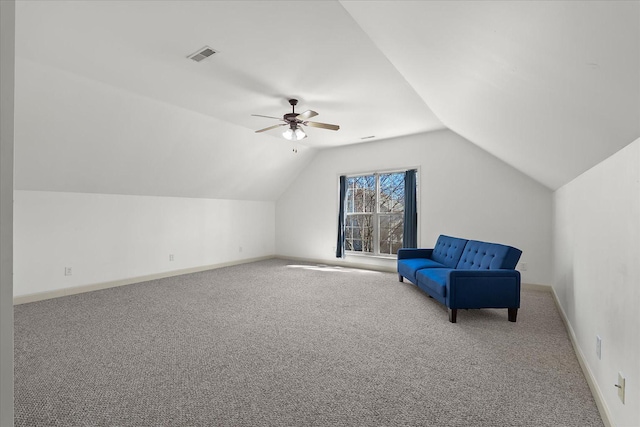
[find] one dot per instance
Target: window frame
(376, 215)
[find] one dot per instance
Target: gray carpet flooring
(277, 343)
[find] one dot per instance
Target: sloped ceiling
(551, 88)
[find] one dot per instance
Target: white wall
(107, 237)
(463, 191)
(597, 273)
(7, 34)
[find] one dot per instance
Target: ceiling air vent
(201, 54)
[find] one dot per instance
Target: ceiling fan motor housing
(290, 117)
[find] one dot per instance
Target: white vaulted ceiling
(551, 88)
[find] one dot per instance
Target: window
(374, 213)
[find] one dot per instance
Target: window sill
(365, 255)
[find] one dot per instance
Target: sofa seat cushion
(433, 280)
(409, 267)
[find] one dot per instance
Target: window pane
(391, 192)
(361, 194)
(374, 213)
(348, 234)
(391, 230)
(359, 236)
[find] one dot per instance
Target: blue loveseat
(462, 273)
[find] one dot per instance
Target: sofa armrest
(407, 253)
(483, 289)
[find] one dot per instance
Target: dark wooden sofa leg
(513, 313)
(453, 313)
(400, 278)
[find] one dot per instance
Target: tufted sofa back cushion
(488, 256)
(448, 250)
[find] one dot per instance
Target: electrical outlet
(239, 248)
(620, 386)
(170, 257)
(599, 347)
(67, 271)
(524, 266)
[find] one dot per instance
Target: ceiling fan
(294, 121)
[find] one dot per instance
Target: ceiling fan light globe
(288, 134)
(299, 134)
(294, 135)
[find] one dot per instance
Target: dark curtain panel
(410, 238)
(343, 195)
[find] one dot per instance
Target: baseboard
(40, 296)
(593, 385)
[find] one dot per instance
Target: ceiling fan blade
(322, 125)
(306, 115)
(271, 127)
(268, 117)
